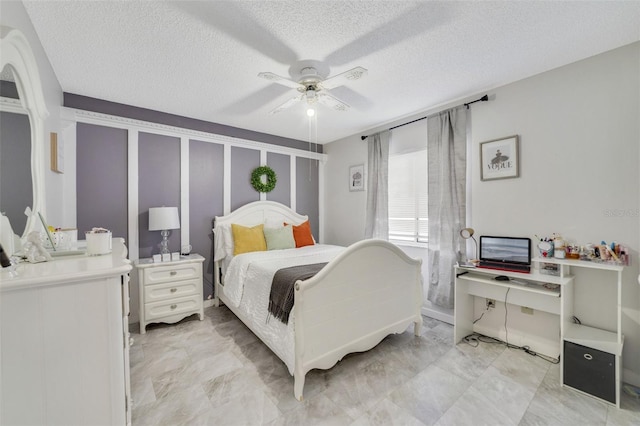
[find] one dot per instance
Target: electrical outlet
(491, 303)
(525, 310)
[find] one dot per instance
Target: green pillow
(279, 238)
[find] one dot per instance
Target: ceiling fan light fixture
(313, 88)
(310, 94)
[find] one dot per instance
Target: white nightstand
(170, 291)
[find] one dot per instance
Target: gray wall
(8, 89)
(158, 186)
(101, 186)
(243, 161)
(16, 185)
(280, 164)
(206, 177)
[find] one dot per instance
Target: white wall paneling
(67, 137)
(321, 210)
(226, 192)
(162, 129)
(132, 197)
(263, 162)
(184, 191)
(292, 164)
(134, 127)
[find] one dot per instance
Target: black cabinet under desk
(590, 370)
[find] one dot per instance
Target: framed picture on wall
(356, 178)
(57, 154)
(499, 158)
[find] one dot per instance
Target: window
(408, 220)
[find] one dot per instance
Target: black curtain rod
(482, 99)
(485, 98)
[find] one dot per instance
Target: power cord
(475, 339)
(481, 315)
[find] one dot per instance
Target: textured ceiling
(201, 58)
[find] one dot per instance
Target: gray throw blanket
(282, 288)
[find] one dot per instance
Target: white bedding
(247, 285)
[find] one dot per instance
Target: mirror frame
(16, 52)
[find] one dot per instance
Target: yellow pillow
(246, 239)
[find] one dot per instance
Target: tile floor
(216, 372)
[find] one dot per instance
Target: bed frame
(369, 291)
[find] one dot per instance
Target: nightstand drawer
(167, 273)
(167, 308)
(172, 290)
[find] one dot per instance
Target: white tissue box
(175, 256)
(157, 258)
(166, 257)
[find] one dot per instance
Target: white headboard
(258, 212)
(251, 214)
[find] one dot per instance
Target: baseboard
(631, 377)
(438, 314)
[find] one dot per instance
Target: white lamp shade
(161, 218)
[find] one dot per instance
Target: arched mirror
(16, 183)
(23, 137)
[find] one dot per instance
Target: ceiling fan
(313, 88)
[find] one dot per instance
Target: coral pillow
(246, 240)
(302, 234)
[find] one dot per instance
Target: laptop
(505, 253)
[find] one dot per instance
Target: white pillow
(223, 242)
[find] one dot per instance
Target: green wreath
(256, 179)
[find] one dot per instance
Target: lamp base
(164, 245)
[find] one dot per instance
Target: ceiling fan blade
(280, 80)
(340, 79)
(286, 105)
(332, 102)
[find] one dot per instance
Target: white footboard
(371, 290)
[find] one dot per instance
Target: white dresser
(65, 341)
(170, 291)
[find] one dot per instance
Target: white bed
(367, 291)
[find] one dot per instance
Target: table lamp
(163, 219)
(467, 233)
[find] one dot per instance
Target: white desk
(472, 283)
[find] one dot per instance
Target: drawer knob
(174, 306)
(173, 290)
(588, 357)
(172, 273)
